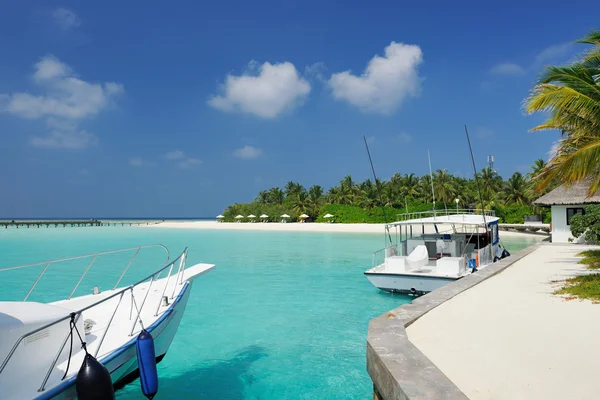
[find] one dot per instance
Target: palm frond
(573, 165)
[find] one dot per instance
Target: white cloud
(554, 149)
(174, 155)
(189, 163)
(404, 137)
(65, 139)
(316, 71)
(507, 69)
(248, 152)
(266, 91)
(66, 100)
(139, 162)
(66, 19)
(183, 161)
(553, 53)
(386, 82)
(66, 95)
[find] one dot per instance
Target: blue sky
(147, 109)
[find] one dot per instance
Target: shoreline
(297, 227)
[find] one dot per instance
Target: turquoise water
(283, 315)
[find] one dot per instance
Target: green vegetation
(359, 202)
(583, 287)
(571, 96)
(588, 224)
(591, 258)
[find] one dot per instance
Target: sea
(284, 315)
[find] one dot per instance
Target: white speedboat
(431, 249)
(43, 345)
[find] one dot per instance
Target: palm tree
(368, 197)
(263, 197)
(344, 193)
(516, 190)
(536, 168)
(292, 189)
(442, 183)
(276, 196)
(571, 94)
(411, 185)
(300, 202)
(490, 184)
(425, 195)
(315, 193)
(315, 200)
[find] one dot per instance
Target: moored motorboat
(432, 249)
(43, 345)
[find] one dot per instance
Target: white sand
(295, 227)
(510, 338)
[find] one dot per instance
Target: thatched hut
(566, 201)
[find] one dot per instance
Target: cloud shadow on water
(222, 380)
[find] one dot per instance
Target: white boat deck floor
(510, 338)
(120, 327)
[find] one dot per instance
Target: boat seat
(418, 258)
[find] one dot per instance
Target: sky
(156, 109)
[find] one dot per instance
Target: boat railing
(380, 255)
(443, 212)
(93, 257)
(134, 312)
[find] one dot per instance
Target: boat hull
(122, 363)
(408, 284)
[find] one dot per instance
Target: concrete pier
(400, 370)
(497, 334)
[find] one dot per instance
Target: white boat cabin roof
(456, 219)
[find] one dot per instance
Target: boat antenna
(387, 228)
(431, 176)
(476, 178)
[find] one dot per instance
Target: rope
(83, 346)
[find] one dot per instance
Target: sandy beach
(299, 227)
(510, 338)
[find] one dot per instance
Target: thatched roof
(577, 193)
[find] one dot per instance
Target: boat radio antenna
(476, 178)
(431, 179)
(387, 228)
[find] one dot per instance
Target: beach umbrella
(264, 216)
(251, 216)
(303, 216)
(328, 216)
(285, 216)
(239, 217)
(220, 216)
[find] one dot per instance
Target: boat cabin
(445, 245)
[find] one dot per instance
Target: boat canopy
(456, 219)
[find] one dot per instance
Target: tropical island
(361, 202)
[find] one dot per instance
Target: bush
(588, 224)
(515, 213)
(356, 215)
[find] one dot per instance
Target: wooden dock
(72, 223)
(525, 227)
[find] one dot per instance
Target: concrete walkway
(510, 338)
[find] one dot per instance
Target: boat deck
(119, 334)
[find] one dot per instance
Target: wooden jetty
(526, 227)
(72, 223)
